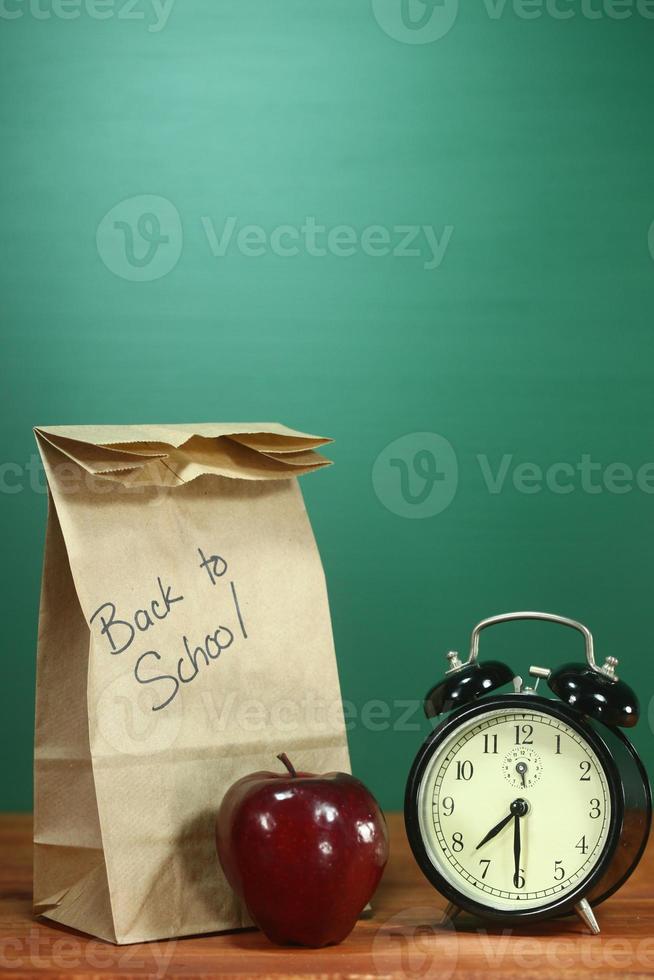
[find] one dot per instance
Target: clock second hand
(521, 769)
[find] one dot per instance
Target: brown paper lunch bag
(184, 641)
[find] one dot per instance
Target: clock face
(514, 809)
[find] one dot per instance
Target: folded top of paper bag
(170, 455)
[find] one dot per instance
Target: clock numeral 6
(457, 841)
(595, 809)
(464, 770)
(519, 879)
(559, 871)
(448, 806)
(523, 734)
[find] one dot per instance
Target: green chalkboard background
(519, 136)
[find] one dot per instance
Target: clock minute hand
(516, 849)
(495, 831)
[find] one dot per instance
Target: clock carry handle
(608, 670)
(588, 688)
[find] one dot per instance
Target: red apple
(304, 852)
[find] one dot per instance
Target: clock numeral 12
(523, 734)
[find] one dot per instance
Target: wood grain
(402, 939)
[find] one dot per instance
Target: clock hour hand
(495, 831)
(518, 809)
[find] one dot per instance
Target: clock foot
(450, 913)
(587, 916)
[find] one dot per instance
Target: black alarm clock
(520, 807)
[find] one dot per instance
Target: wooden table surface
(402, 939)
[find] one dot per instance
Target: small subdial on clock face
(522, 767)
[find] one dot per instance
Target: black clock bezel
(523, 702)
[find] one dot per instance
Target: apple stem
(287, 762)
